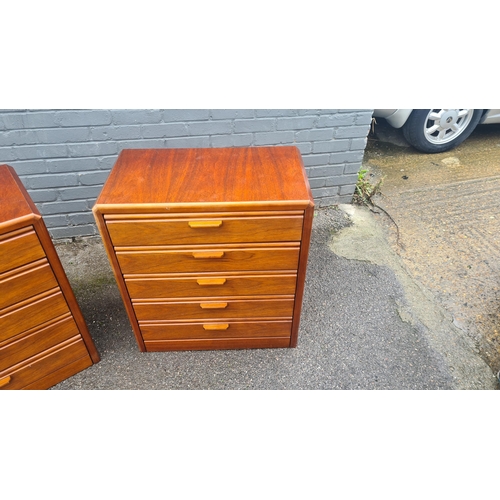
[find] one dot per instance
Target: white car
(437, 130)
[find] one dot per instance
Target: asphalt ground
(365, 325)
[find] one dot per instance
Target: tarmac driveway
(358, 329)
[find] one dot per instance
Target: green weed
(365, 190)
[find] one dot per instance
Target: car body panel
(395, 117)
(491, 116)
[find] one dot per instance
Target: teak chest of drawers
(209, 246)
(43, 336)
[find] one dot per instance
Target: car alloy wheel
(439, 130)
(444, 125)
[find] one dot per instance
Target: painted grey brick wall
(63, 157)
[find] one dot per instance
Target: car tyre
(439, 130)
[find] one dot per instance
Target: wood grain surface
(191, 310)
(206, 175)
(179, 232)
(235, 329)
(18, 248)
(168, 287)
(38, 340)
(217, 343)
(192, 261)
(25, 282)
(14, 199)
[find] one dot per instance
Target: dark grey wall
(63, 157)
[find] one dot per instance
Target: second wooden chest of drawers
(209, 246)
(43, 336)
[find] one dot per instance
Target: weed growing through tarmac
(365, 190)
(364, 193)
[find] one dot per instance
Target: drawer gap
(41, 326)
(21, 269)
(263, 319)
(204, 246)
(39, 356)
(236, 274)
(196, 300)
(17, 232)
(19, 305)
(201, 215)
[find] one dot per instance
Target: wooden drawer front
(205, 231)
(19, 249)
(206, 260)
(31, 314)
(61, 374)
(217, 286)
(231, 329)
(175, 311)
(35, 369)
(38, 341)
(213, 343)
(25, 282)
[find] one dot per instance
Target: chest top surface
(206, 175)
(14, 202)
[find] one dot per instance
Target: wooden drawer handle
(205, 223)
(208, 255)
(213, 305)
(4, 381)
(216, 326)
(211, 281)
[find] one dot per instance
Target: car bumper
(395, 117)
